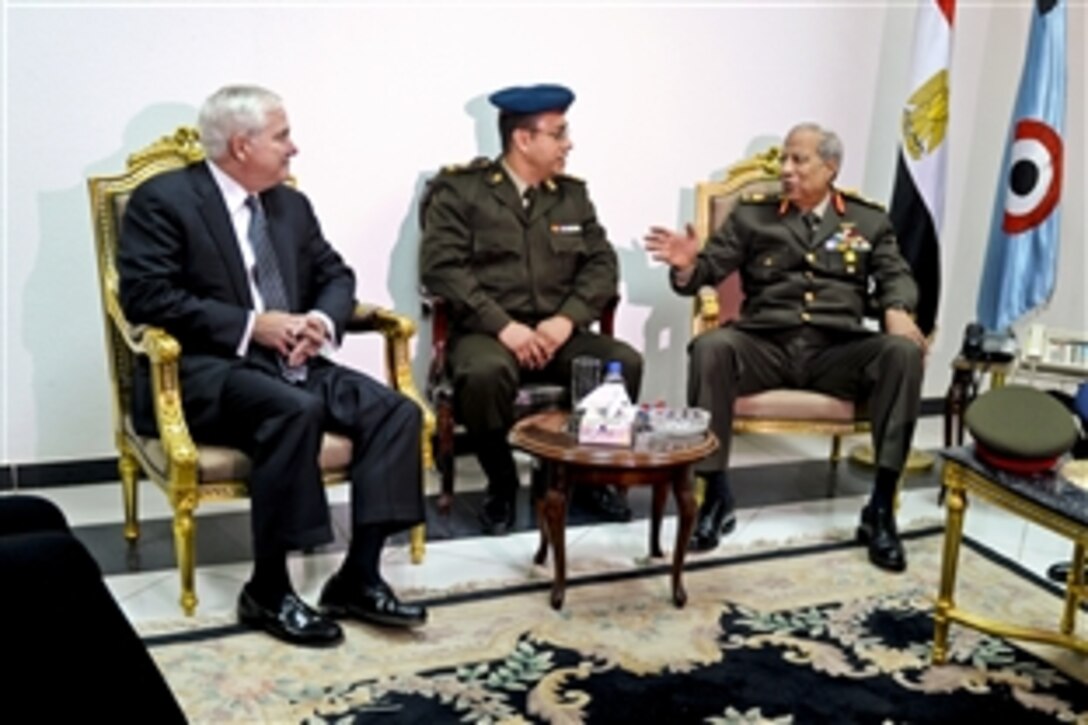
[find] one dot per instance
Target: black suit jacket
(181, 269)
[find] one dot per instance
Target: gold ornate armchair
(188, 472)
(779, 410)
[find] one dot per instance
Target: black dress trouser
(71, 654)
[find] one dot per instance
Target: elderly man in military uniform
(813, 261)
(514, 245)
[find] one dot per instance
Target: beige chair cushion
(794, 405)
(219, 463)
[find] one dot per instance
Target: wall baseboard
(103, 470)
(49, 475)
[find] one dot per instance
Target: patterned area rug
(812, 634)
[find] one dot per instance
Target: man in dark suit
(514, 245)
(807, 259)
(232, 262)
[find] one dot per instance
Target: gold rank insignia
(758, 198)
(853, 195)
(477, 163)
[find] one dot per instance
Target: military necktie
(528, 197)
(812, 223)
(266, 272)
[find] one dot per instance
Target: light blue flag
(1021, 260)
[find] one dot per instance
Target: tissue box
(598, 430)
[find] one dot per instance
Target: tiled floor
(785, 489)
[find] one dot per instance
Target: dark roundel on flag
(1034, 185)
(1045, 6)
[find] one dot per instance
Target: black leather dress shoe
(604, 502)
(877, 530)
(375, 604)
(292, 620)
(716, 519)
(497, 518)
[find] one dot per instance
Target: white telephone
(1035, 342)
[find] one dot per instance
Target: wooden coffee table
(665, 464)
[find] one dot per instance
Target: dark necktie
(527, 198)
(267, 275)
(812, 223)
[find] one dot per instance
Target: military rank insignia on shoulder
(759, 198)
(477, 163)
(853, 195)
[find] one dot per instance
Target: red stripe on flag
(948, 9)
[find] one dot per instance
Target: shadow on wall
(667, 329)
(403, 282)
(61, 302)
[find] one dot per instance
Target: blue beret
(523, 100)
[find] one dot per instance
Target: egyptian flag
(1021, 261)
(918, 199)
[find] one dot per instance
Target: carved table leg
(685, 504)
(553, 513)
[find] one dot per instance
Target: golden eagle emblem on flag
(925, 117)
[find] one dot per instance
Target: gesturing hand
(672, 248)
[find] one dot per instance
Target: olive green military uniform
(801, 322)
(496, 261)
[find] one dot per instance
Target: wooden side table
(665, 464)
(963, 389)
(1048, 500)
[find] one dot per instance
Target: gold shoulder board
(477, 163)
(759, 199)
(854, 195)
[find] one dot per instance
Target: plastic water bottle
(614, 372)
(614, 383)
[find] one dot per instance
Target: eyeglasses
(561, 135)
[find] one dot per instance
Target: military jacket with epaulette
(849, 267)
(495, 261)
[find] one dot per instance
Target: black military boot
(499, 513)
(717, 515)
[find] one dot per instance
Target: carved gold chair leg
(185, 546)
(700, 491)
(129, 469)
(418, 543)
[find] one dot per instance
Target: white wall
(381, 96)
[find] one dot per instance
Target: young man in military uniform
(806, 259)
(515, 248)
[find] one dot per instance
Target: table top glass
(1050, 490)
(547, 435)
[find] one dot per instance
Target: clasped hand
(535, 347)
(296, 337)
